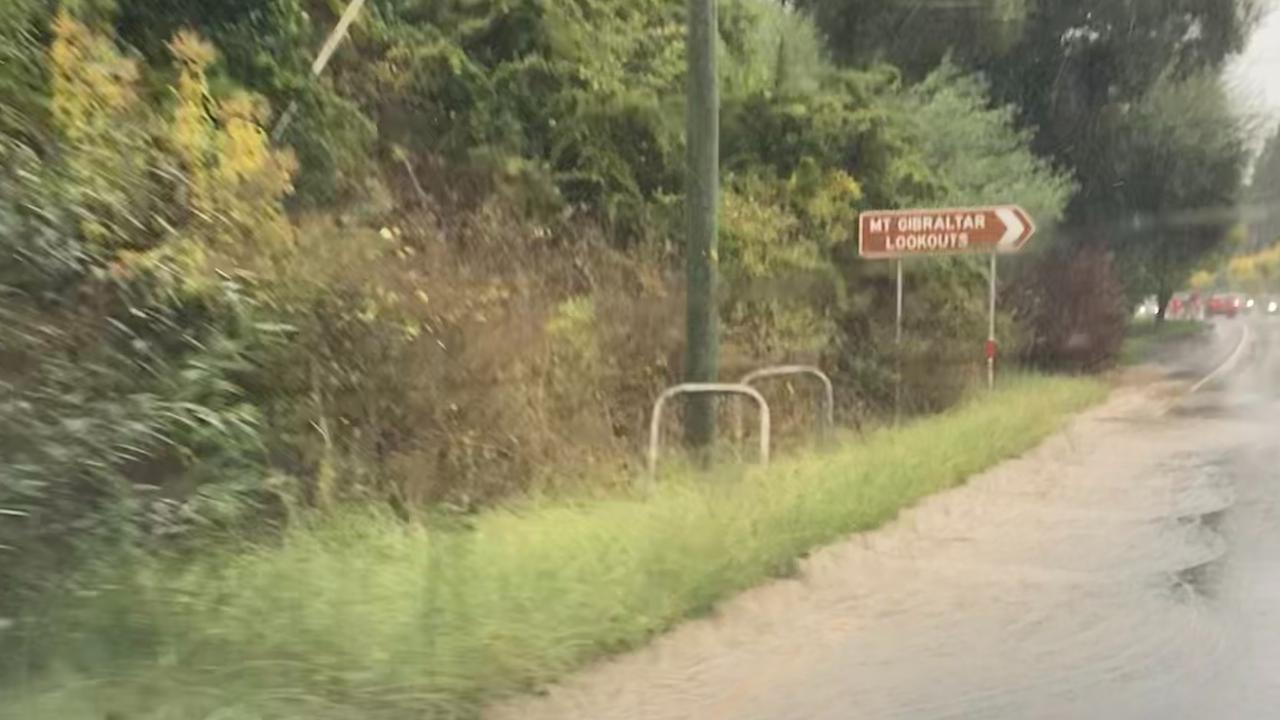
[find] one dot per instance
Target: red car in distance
(1224, 305)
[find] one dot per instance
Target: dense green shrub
(478, 286)
(1073, 303)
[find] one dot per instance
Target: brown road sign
(906, 233)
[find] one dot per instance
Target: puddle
(1197, 583)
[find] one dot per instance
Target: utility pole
(702, 194)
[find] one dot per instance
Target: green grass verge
(1144, 338)
(362, 617)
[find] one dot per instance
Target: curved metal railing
(655, 420)
(827, 420)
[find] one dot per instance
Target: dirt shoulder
(912, 620)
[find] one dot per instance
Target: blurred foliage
(1079, 65)
(769, 48)
(267, 47)
(1201, 280)
(1072, 301)
(356, 615)
(1263, 195)
(1182, 160)
(1256, 272)
(23, 79)
(917, 35)
(132, 236)
(1081, 76)
(456, 275)
(979, 150)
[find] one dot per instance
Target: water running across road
(1127, 568)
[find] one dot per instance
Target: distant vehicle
(1147, 308)
(1183, 306)
(1224, 305)
(1270, 305)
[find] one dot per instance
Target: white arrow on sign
(1013, 228)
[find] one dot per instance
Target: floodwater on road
(1127, 568)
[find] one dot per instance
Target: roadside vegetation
(1249, 262)
(1145, 337)
(1256, 271)
(359, 615)
(236, 364)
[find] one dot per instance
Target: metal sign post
(897, 331)
(897, 351)
(991, 329)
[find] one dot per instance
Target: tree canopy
(1181, 157)
(1264, 195)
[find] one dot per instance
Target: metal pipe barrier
(655, 421)
(827, 420)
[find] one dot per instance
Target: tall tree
(1080, 65)
(1181, 156)
(916, 35)
(1072, 67)
(1264, 196)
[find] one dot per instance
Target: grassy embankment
(361, 617)
(1145, 338)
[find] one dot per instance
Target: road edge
(1226, 365)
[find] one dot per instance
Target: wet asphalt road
(1128, 568)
